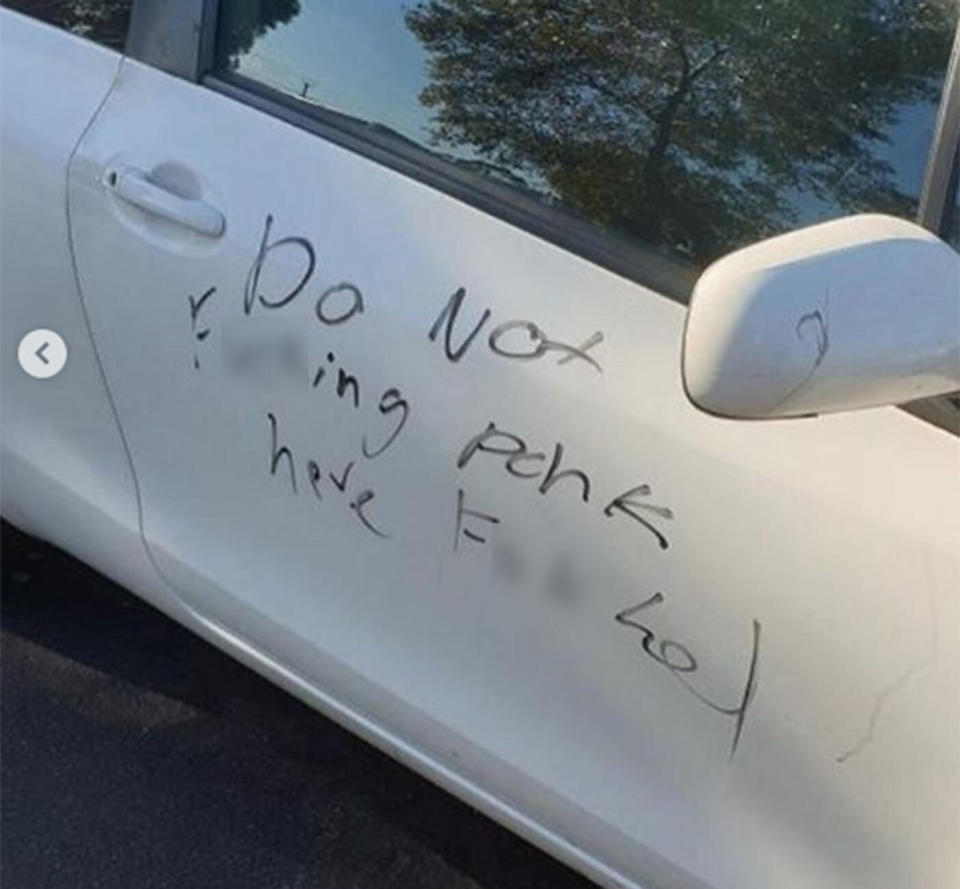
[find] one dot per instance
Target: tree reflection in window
(103, 21)
(698, 126)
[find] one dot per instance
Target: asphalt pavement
(134, 755)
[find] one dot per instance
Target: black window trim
(938, 192)
(175, 36)
(940, 175)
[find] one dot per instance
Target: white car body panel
(836, 535)
(61, 431)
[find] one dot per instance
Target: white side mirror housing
(859, 312)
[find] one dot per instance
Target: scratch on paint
(878, 704)
(888, 691)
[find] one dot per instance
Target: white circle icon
(42, 353)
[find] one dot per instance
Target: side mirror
(859, 312)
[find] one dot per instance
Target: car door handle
(134, 187)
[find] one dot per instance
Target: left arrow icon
(42, 354)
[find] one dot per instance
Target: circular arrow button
(42, 353)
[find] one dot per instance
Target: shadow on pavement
(133, 754)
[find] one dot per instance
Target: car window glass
(695, 127)
(103, 21)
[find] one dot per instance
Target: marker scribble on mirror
(818, 321)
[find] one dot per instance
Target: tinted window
(696, 127)
(104, 21)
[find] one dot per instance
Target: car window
(103, 21)
(695, 127)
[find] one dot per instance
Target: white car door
(441, 473)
